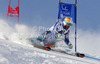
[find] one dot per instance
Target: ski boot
(80, 55)
(48, 47)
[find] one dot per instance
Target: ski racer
(61, 28)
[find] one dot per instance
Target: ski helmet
(67, 21)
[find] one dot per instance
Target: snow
(13, 53)
(16, 51)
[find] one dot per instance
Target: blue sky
(44, 12)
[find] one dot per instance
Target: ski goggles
(69, 24)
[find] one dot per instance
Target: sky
(45, 12)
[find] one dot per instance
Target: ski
(47, 48)
(70, 53)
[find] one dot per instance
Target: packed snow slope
(13, 53)
(13, 50)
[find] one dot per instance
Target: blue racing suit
(54, 31)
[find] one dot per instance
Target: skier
(58, 30)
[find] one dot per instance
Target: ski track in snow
(12, 53)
